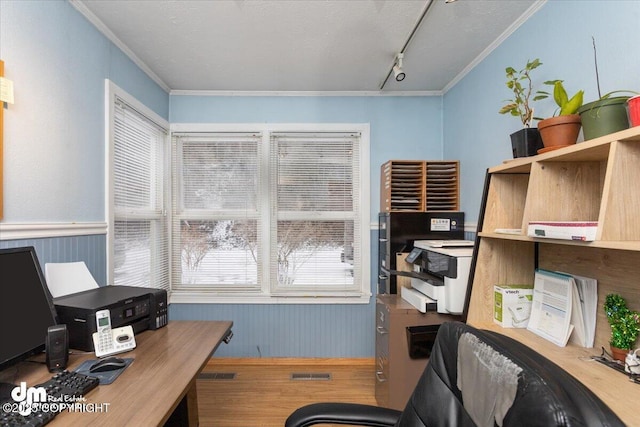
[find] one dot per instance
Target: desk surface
(166, 364)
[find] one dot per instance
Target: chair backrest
(482, 378)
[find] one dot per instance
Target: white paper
(579, 334)
(587, 298)
(68, 277)
(551, 306)
(6, 90)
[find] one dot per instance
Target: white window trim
(112, 91)
(264, 297)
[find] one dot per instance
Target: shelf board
(592, 150)
(626, 245)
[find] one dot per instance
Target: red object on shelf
(634, 110)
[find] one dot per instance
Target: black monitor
(26, 306)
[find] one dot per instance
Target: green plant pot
(525, 142)
(604, 116)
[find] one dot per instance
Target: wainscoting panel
(287, 330)
(91, 249)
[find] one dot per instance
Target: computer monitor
(26, 306)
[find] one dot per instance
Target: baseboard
(272, 361)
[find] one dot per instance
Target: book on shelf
(566, 230)
(564, 308)
(516, 231)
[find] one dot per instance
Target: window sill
(191, 297)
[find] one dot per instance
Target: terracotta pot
(619, 353)
(560, 130)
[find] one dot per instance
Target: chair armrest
(343, 413)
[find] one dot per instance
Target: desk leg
(186, 413)
(192, 404)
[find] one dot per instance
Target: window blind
(216, 225)
(315, 226)
(140, 226)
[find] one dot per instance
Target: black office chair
(477, 378)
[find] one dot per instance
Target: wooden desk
(162, 377)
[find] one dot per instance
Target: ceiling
(306, 45)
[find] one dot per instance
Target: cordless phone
(107, 341)
(103, 326)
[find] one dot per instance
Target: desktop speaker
(57, 347)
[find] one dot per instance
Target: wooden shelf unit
(594, 180)
(419, 186)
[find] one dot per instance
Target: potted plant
(526, 141)
(563, 129)
(608, 113)
(625, 325)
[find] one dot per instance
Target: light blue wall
(54, 132)
(560, 35)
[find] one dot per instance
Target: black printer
(142, 308)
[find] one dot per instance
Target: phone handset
(105, 337)
(107, 341)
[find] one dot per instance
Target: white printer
(440, 275)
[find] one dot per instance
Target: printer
(142, 308)
(440, 275)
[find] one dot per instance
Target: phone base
(122, 341)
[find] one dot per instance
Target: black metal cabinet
(398, 230)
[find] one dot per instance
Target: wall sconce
(397, 68)
(6, 90)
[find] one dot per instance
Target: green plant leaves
(625, 324)
(559, 94)
(572, 105)
(567, 106)
(520, 83)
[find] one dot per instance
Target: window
(138, 237)
(216, 222)
(270, 214)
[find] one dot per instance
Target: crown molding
(497, 42)
(265, 93)
(80, 7)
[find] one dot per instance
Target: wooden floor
(263, 394)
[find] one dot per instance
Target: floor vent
(217, 376)
(310, 376)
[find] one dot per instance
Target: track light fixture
(397, 68)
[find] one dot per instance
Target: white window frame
(112, 92)
(266, 295)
